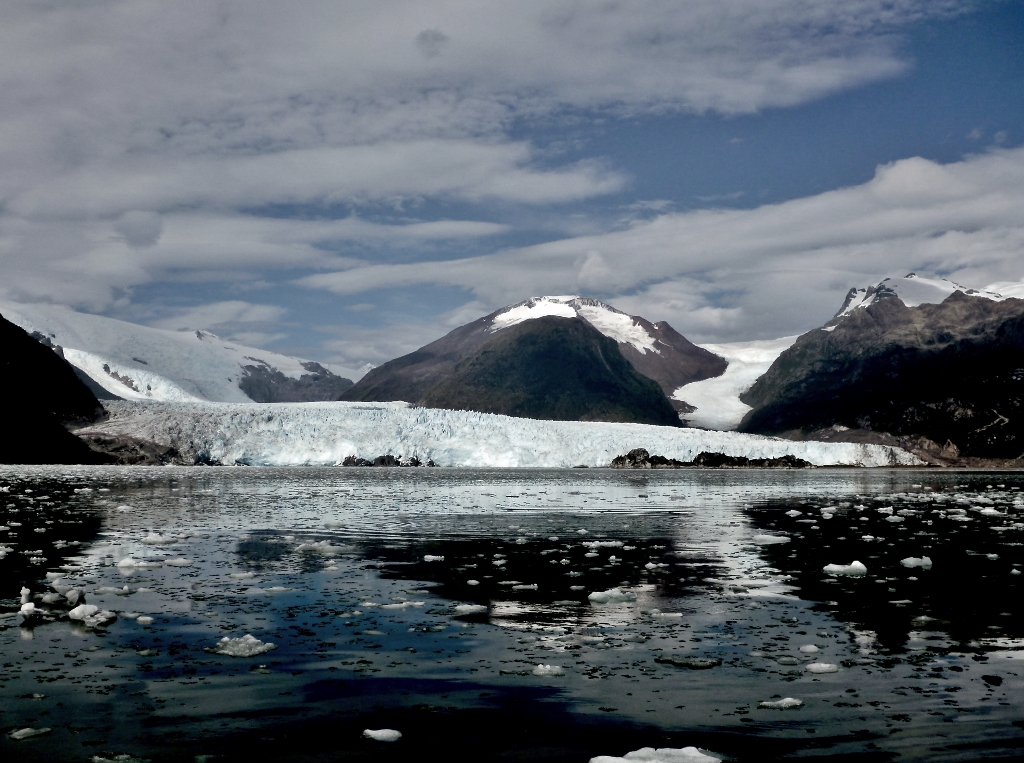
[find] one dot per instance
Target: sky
(349, 181)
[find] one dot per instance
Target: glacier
(324, 434)
(717, 400)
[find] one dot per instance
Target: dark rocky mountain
(263, 383)
(552, 368)
(42, 395)
(951, 374)
(655, 350)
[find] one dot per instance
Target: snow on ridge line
(311, 434)
(613, 323)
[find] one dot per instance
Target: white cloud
(216, 314)
(783, 264)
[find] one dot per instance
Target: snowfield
(717, 400)
(142, 363)
(296, 434)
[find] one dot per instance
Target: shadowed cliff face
(42, 394)
(265, 384)
(552, 368)
(949, 372)
(411, 377)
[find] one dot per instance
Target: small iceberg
(854, 570)
(822, 667)
(925, 563)
(382, 735)
(661, 755)
(246, 646)
(611, 596)
(787, 703)
(767, 540)
(549, 670)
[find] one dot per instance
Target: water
(425, 600)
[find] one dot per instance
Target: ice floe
(549, 670)
(382, 735)
(854, 570)
(661, 755)
(924, 562)
(28, 733)
(822, 667)
(786, 703)
(246, 646)
(767, 540)
(611, 596)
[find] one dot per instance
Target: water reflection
(595, 611)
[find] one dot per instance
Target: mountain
(653, 350)
(121, 360)
(552, 368)
(949, 368)
(42, 394)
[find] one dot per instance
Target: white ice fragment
(127, 563)
(925, 563)
(242, 575)
(179, 562)
(885, 510)
(324, 548)
(781, 704)
(894, 518)
(144, 620)
(822, 667)
(246, 646)
(277, 589)
(83, 611)
(28, 609)
(549, 670)
(472, 582)
(403, 605)
(854, 570)
(809, 649)
(793, 513)
(525, 587)
(993, 513)
(155, 539)
(767, 540)
(602, 543)
(382, 735)
(432, 558)
(28, 733)
(469, 609)
(661, 755)
(26, 595)
(611, 596)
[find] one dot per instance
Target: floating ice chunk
(602, 543)
(277, 589)
(781, 704)
(809, 649)
(611, 596)
(179, 562)
(525, 587)
(925, 563)
(144, 620)
(402, 605)
(28, 609)
(690, 663)
(382, 735)
(993, 513)
(472, 582)
(822, 667)
(26, 595)
(324, 548)
(246, 646)
(28, 733)
(894, 518)
(73, 595)
(661, 755)
(793, 513)
(767, 540)
(242, 575)
(885, 510)
(469, 609)
(549, 670)
(854, 569)
(156, 539)
(83, 611)
(432, 558)
(993, 557)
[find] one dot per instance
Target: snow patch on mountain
(139, 362)
(912, 290)
(294, 434)
(613, 323)
(717, 400)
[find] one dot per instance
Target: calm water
(425, 600)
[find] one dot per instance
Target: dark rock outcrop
(263, 383)
(951, 373)
(639, 458)
(386, 460)
(43, 396)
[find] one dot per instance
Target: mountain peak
(615, 324)
(912, 290)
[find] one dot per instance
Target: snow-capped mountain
(136, 362)
(912, 290)
(549, 357)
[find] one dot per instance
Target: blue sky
(350, 181)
